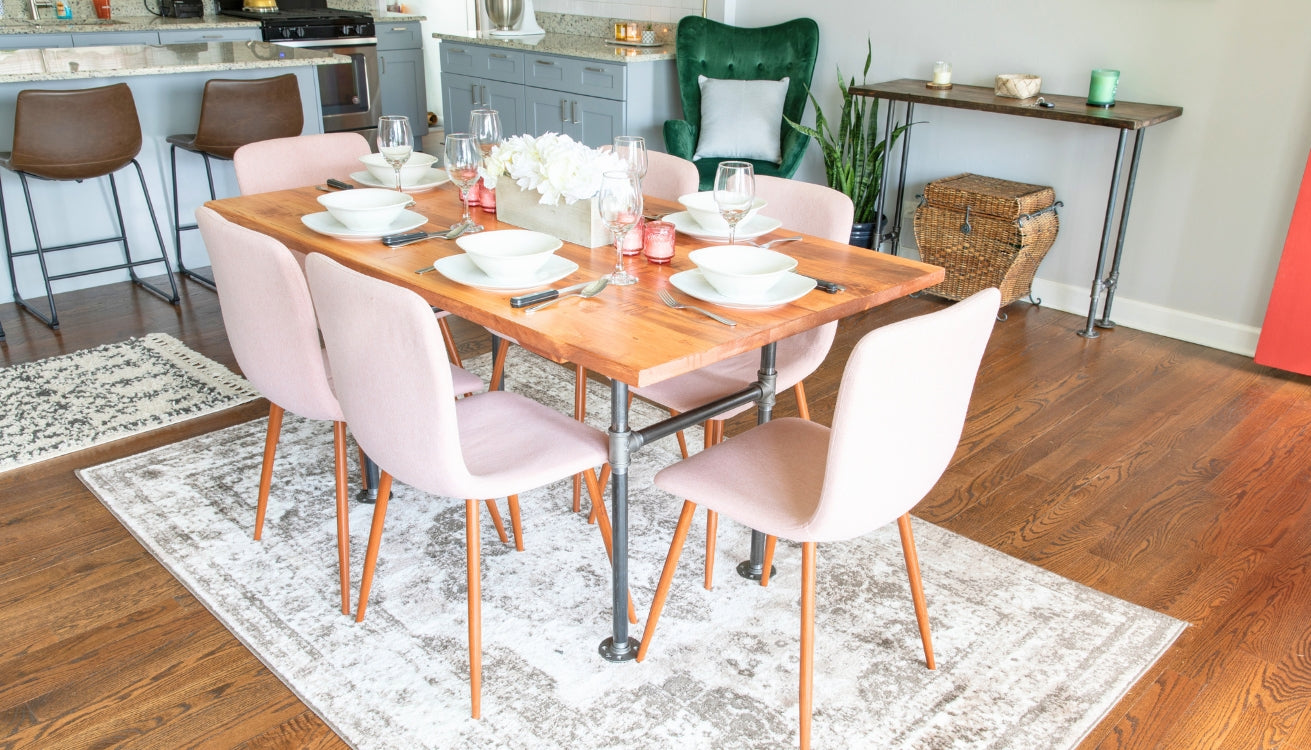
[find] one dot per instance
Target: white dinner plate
(747, 230)
(461, 269)
(323, 223)
(791, 287)
(432, 179)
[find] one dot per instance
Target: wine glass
(485, 124)
(395, 142)
(735, 192)
(631, 150)
(620, 204)
(462, 159)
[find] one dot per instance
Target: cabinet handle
(211, 36)
(544, 62)
(594, 70)
(382, 66)
(457, 50)
(564, 113)
(499, 56)
(575, 110)
(399, 28)
(484, 101)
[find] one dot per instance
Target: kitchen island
(167, 82)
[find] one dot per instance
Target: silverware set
(669, 300)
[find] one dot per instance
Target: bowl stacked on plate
(742, 273)
(417, 169)
(366, 209)
(509, 255)
(703, 209)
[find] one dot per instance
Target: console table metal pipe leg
(1114, 279)
(1089, 332)
(754, 568)
(880, 201)
(901, 181)
(619, 647)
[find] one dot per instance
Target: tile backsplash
(638, 10)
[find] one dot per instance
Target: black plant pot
(862, 232)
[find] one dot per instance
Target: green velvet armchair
(717, 50)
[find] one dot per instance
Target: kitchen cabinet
(192, 36)
(589, 99)
(401, 76)
(114, 38)
(35, 41)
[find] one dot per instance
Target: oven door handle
(329, 43)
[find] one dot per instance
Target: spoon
(772, 243)
(591, 290)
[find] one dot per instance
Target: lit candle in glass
(658, 242)
(633, 240)
(941, 73)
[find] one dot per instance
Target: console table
(1125, 116)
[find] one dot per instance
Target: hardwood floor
(1164, 473)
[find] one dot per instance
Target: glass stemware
(735, 192)
(620, 204)
(485, 124)
(395, 142)
(631, 150)
(462, 159)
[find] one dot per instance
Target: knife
(832, 287)
(332, 182)
(524, 300)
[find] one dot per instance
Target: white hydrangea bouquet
(553, 164)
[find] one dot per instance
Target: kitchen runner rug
(63, 404)
(1026, 659)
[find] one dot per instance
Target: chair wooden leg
(807, 638)
(498, 365)
(771, 541)
(475, 608)
(803, 408)
(667, 576)
(375, 541)
(343, 516)
(580, 414)
(682, 439)
(451, 351)
(496, 520)
(603, 525)
(714, 433)
(515, 524)
(916, 587)
(266, 470)
(602, 482)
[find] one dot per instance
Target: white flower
(553, 164)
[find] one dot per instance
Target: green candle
(1101, 91)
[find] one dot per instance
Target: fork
(669, 300)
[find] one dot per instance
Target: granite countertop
(121, 23)
(572, 45)
(119, 61)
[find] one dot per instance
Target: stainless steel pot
(504, 14)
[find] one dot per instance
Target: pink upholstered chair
(667, 177)
(272, 330)
(284, 163)
(807, 208)
(392, 380)
(802, 481)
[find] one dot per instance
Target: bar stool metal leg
(178, 227)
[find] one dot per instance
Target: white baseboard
(1144, 316)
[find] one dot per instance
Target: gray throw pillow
(741, 119)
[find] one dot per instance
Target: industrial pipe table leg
(901, 180)
(754, 568)
(619, 647)
(1114, 279)
(883, 179)
(1089, 332)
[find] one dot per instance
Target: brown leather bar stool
(232, 114)
(77, 135)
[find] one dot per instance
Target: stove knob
(300, 32)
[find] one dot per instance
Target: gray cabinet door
(548, 112)
(599, 120)
(463, 94)
(398, 35)
(401, 78)
(241, 34)
(35, 41)
(114, 38)
(508, 101)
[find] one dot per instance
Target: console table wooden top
(1123, 116)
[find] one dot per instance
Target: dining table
(626, 334)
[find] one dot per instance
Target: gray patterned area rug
(74, 401)
(1026, 659)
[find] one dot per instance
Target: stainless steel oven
(350, 91)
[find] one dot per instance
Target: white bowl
(509, 254)
(415, 169)
(741, 272)
(705, 211)
(365, 209)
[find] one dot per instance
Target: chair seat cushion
(741, 119)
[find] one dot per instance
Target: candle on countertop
(941, 73)
(658, 242)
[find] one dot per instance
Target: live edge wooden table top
(625, 333)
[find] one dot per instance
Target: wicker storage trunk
(985, 232)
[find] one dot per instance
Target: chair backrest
(269, 317)
(806, 207)
(391, 375)
(236, 112)
(77, 134)
(669, 177)
(718, 50)
(900, 412)
(284, 163)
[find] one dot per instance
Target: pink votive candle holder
(487, 197)
(658, 242)
(633, 240)
(475, 193)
